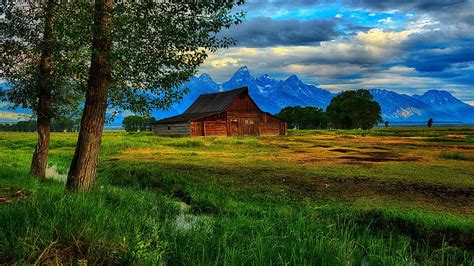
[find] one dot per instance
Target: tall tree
(40, 62)
(354, 109)
(304, 117)
(136, 123)
(84, 163)
(44, 108)
(141, 52)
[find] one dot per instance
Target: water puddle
(52, 173)
(186, 221)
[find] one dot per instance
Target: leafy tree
(40, 63)
(354, 109)
(22, 126)
(137, 123)
(386, 124)
(64, 125)
(430, 122)
(304, 117)
(141, 53)
(31, 126)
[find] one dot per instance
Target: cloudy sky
(406, 46)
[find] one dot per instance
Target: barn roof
(214, 102)
(184, 118)
(206, 105)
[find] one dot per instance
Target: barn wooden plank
(231, 113)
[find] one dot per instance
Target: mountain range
(272, 95)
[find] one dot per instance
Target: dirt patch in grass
(322, 146)
(8, 195)
(377, 157)
(379, 148)
(341, 150)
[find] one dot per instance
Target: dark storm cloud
(447, 41)
(408, 5)
(265, 32)
(448, 12)
(434, 60)
(260, 4)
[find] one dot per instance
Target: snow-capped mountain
(401, 107)
(272, 95)
(444, 101)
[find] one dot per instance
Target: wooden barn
(230, 113)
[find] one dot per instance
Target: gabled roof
(182, 118)
(214, 102)
(206, 105)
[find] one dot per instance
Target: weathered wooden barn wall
(272, 126)
(231, 113)
(269, 129)
(178, 130)
(215, 128)
(243, 117)
(243, 104)
(197, 128)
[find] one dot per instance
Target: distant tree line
(348, 110)
(305, 117)
(62, 125)
(138, 123)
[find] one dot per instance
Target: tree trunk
(81, 176)
(44, 107)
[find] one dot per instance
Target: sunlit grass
(384, 196)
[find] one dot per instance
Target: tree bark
(44, 107)
(81, 176)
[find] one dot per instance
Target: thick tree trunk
(81, 176)
(44, 107)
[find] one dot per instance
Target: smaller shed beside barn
(229, 113)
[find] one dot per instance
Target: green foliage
(158, 46)
(21, 44)
(138, 123)
(353, 110)
(21, 126)
(304, 117)
(58, 125)
(235, 215)
(349, 110)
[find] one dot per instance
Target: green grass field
(385, 196)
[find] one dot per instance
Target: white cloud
(339, 15)
(364, 49)
(386, 20)
(385, 39)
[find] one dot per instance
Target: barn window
(251, 122)
(169, 128)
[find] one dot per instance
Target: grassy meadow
(385, 196)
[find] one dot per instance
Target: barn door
(253, 130)
(250, 127)
(234, 127)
